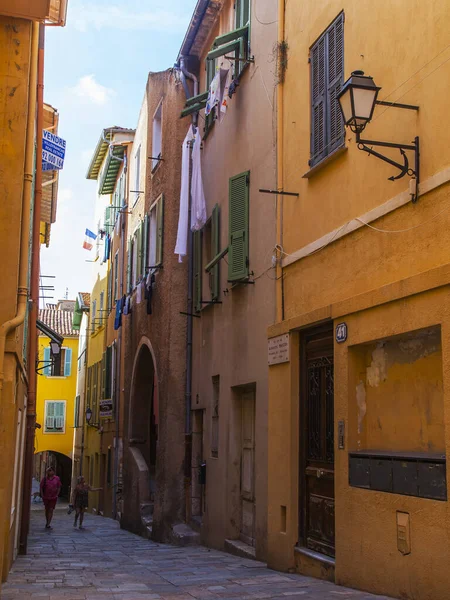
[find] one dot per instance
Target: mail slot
(202, 474)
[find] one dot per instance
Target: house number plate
(341, 333)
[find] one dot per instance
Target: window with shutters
(155, 235)
(137, 175)
(327, 76)
(58, 366)
(157, 137)
(115, 275)
(55, 416)
(210, 256)
(137, 262)
(238, 229)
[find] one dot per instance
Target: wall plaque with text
(278, 348)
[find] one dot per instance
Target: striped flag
(89, 239)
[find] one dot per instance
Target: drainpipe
(280, 174)
(34, 301)
(188, 434)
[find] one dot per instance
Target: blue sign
(53, 151)
(341, 333)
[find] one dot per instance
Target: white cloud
(123, 17)
(90, 89)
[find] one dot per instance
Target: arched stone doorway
(62, 466)
(143, 437)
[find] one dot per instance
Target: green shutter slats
(214, 273)
(68, 362)
(47, 367)
(231, 36)
(197, 253)
(238, 262)
(130, 258)
(197, 99)
(223, 50)
(145, 246)
(160, 231)
(139, 250)
(242, 12)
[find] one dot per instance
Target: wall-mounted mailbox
(409, 474)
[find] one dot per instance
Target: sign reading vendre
(53, 151)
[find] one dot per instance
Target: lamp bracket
(397, 105)
(405, 169)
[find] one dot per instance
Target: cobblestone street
(104, 562)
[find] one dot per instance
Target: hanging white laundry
(225, 78)
(183, 219)
(213, 94)
(139, 293)
(198, 206)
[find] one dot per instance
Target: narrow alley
(104, 562)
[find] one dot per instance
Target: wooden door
(317, 442)
(247, 533)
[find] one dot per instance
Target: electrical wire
(263, 22)
(402, 230)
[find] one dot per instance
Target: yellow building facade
(55, 406)
(358, 358)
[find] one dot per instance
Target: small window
(157, 137)
(101, 309)
(116, 276)
(137, 174)
(55, 416)
(94, 316)
(215, 417)
(327, 77)
(58, 366)
(155, 234)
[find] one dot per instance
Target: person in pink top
(50, 488)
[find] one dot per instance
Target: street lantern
(55, 349)
(357, 100)
(88, 415)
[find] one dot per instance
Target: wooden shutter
(103, 377)
(197, 253)
(50, 415)
(76, 417)
(48, 367)
(242, 12)
(59, 415)
(160, 230)
(145, 246)
(138, 249)
(130, 262)
(68, 362)
(318, 100)
(238, 261)
(107, 384)
(335, 79)
(214, 274)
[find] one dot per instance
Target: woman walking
(50, 488)
(80, 499)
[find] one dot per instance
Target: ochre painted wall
(381, 283)
(15, 42)
(56, 388)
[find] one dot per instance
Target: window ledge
(325, 161)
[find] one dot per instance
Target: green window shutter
(238, 233)
(145, 246)
(197, 253)
(68, 363)
(76, 416)
(242, 12)
(138, 246)
(108, 218)
(214, 274)
(231, 36)
(194, 104)
(108, 357)
(130, 262)
(48, 368)
(159, 231)
(223, 50)
(50, 415)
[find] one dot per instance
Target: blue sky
(95, 74)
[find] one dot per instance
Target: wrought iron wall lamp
(357, 100)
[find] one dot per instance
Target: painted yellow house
(56, 395)
(359, 387)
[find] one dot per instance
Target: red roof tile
(59, 320)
